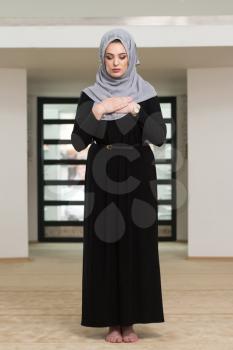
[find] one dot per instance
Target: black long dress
(121, 282)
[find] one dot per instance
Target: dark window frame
(41, 162)
(172, 161)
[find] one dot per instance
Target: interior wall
(13, 155)
(210, 167)
(77, 8)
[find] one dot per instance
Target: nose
(115, 62)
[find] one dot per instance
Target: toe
(130, 338)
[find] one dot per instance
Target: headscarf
(129, 84)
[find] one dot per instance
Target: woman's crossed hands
(118, 104)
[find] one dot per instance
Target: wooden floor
(40, 303)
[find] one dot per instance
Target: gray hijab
(130, 84)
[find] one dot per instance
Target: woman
(119, 115)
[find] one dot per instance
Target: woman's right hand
(110, 104)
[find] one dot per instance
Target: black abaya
(121, 282)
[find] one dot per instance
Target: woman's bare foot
(114, 334)
(128, 334)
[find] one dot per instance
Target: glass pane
(165, 231)
(59, 111)
(164, 191)
(166, 109)
(164, 212)
(64, 193)
(58, 131)
(63, 152)
(64, 231)
(168, 130)
(164, 171)
(64, 212)
(64, 172)
(163, 152)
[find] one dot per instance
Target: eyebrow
(109, 53)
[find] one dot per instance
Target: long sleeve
(151, 121)
(85, 124)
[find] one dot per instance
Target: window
(61, 172)
(165, 162)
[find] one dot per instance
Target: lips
(116, 70)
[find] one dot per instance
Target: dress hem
(117, 323)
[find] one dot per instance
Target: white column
(210, 165)
(13, 156)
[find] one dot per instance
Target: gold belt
(109, 146)
(119, 145)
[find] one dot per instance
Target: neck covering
(129, 84)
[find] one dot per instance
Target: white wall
(210, 166)
(13, 155)
(169, 33)
(78, 8)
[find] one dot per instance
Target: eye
(121, 57)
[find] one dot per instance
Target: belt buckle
(109, 146)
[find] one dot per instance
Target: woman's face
(116, 58)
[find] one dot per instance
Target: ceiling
(82, 63)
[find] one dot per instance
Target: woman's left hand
(128, 109)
